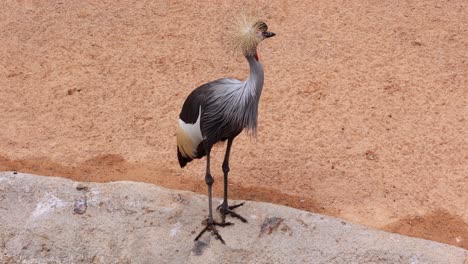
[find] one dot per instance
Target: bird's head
(247, 33)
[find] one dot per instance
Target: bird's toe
(211, 226)
(228, 210)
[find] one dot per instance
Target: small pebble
(81, 187)
(80, 205)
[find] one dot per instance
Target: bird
(220, 110)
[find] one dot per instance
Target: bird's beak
(268, 34)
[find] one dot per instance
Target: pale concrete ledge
(50, 220)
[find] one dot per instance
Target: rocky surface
(55, 220)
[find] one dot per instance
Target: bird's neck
(255, 80)
(250, 94)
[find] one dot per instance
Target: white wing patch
(189, 136)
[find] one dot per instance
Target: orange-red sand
(363, 114)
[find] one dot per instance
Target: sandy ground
(363, 114)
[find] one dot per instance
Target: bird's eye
(262, 26)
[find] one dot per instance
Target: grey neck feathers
(251, 94)
(254, 84)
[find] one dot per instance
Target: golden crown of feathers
(244, 34)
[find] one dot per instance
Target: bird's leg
(210, 223)
(224, 208)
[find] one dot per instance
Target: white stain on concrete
(165, 210)
(94, 198)
(47, 204)
(414, 260)
(134, 203)
(175, 229)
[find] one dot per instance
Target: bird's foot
(211, 226)
(224, 209)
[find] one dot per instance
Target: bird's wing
(221, 114)
(189, 132)
(210, 113)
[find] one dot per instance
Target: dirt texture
(363, 114)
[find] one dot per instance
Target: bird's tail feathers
(182, 160)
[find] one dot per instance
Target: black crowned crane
(220, 110)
